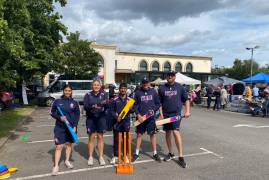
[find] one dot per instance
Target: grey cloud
(157, 11)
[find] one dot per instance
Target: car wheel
(2, 106)
(49, 102)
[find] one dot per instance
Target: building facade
(131, 67)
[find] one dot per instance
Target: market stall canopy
(157, 81)
(182, 79)
(222, 81)
(258, 78)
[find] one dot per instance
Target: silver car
(55, 91)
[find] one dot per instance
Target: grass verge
(9, 119)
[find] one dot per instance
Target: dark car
(6, 99)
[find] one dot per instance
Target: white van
(55, 91)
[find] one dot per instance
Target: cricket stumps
(125, 168)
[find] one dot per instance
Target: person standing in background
(223, 97)
(217, 99)
(209, 94)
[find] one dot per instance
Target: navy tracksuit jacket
(172, 98)
(116, 107)
(71, 110)
(95, 106)
(146, 100)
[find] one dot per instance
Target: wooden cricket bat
(167, 120)
(144, 118)
(126, 108)
(70, 129)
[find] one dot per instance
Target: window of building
(167, 67)
(189, 67)
(143, 66)
(155, 66)
(178, 67)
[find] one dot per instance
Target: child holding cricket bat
(120, 125)
(61, 134)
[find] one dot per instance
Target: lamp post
(251, 60)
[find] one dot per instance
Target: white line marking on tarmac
(250, 126)
(103, 167)
(211, 152)
(51, 140)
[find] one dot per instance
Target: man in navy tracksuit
(147, 100)
(120, 125)
(172, 96)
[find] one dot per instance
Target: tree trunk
(24, 94)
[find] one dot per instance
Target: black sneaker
(135, 157)
(181, 162)
(169, 157)
(156, 157)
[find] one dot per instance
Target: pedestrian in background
(223, 97)
(216, 93)
(209, 94)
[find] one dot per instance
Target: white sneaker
(102, 161)
(127, 160)
(68, 165)
(55, 171)
(114, 160)
(90, 161)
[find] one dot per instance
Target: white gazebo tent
(182, 79)
(157, 81)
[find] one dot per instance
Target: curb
(4, 140)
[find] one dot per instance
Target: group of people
(221, 97)
(168, 101)
(255, 92)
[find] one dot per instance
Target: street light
(251, 60)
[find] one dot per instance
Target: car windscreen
(81, 85)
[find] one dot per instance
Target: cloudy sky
(221, 29)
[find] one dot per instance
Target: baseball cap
(171, 73)
(144, 81)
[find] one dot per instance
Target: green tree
(241, 69)
(31, 32)
(77, 59)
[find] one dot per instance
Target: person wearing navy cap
(172, 97)
(147, 100)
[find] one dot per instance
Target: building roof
(105, 46)
(162, 55)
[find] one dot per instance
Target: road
(217, 145)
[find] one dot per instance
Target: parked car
(6, 99)
(55, 91)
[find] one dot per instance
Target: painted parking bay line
(250, 126)
(204, 152)
(52, 140)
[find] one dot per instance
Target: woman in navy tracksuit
(62, 136)
(120, 125)
(95, 104)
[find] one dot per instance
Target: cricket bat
(144, 118)
(167, 120)
(126, 108)
(70, 129)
